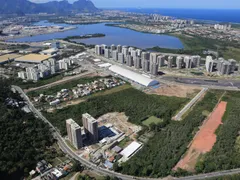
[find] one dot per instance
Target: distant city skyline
(187, 4)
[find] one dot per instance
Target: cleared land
(204, 140)
(119, 121)
(175, 90)
(151, 120)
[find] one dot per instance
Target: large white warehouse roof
(133, 76)
(130, 149)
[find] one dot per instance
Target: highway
(178, 117)
(64, 147)
(210, 83)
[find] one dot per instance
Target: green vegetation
(88, 177)
(129, 101)
(13, 47)
(113, 90)
(176, 51)
(124, 142)
(151, 120)
(161, 153)
(237, 25)
(197, 44)
(24, 140)
(225, 153)
(197, 73)
(67, 85)
(84, 36)
(231, 53)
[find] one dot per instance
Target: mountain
(58, 7)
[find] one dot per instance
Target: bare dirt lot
(175, 90)
(120, 122)
(204, 139)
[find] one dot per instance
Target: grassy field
(110, 91)
(151, 120)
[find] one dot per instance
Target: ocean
(219, 15)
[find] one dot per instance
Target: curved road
(104, 171)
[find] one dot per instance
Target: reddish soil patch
(204, 139)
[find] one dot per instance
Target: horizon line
(167, 8)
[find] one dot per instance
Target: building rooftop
(89, 117)
(130, 149)
(73, 124)
(33, 58)
(7, 57)
(117, 149)
(133, 76)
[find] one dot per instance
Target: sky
(187, 4)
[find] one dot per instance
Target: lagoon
(114, 35)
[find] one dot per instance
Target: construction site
(116, 141)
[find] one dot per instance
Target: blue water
(220, 15)
(114, 35)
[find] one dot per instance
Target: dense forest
(226, 151)
(164, 150)
(23, 138)
(136, 104)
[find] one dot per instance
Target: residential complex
(74, 132)
(220, 65)
(148, 62)
(77, 134)
(90, 125)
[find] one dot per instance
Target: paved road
(71, 43)
(211, 175)
(211, 83)
(93, 167)
(178, 117)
